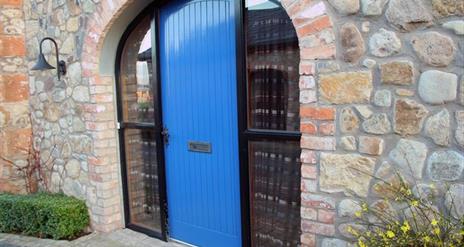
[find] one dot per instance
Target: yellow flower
(390, 234)
(358, 214)
(405, 228)
(364, 207)
(426, 239)
(408, 192)
(361, 243)
(434, 222)
(436, 231)
(414, 203)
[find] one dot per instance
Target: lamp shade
(42, 63)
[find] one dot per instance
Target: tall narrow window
(273, 124)
(138, 130)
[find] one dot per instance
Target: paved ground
(120, 238)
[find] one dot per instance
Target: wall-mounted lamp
(42, 63)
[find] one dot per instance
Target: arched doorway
(209, 125)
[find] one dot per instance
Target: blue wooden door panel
(198, 74)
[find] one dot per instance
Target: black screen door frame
(152, 12)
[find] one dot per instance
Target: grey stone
(81, 143)
(461, 91)
(81, 94)
(74, 72)
(369, 63)
(384, 43)
(352, 43)
(410, 156)
(456, 26)
(78, 125)
(434, 48)
(348, 143)
(383, 98)
(348, 208)
(437, 87)
(73, 188)
(445, 166)
(437, 127)
(408, 15)
(385, 170)
(459, 135)
(335, 242)
(345, 229)
(409, 117)
(348, 173)
(454, 200)
(425, 192)
(378, 124)
(364, 111)
(73, 169)
(349, 122)
(372, 7)
(346, 7)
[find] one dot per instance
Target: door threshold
(181, 242)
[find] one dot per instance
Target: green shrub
(43, 215)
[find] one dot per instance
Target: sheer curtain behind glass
(273, 108)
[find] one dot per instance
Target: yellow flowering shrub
(415, 222)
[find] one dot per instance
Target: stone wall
(381, 87)
(395, 90)
(15, 128)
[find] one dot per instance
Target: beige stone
(371, 145)
(348, 173)
(409, 117)
(72, 25)
(443, 8)
(346, 87)
(397, 72)
(349, 122)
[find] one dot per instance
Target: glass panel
(137, 75)
(142, 178)
(275, 193)
(272, 67)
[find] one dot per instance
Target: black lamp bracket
(60, 64)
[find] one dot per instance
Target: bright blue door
(199, 101)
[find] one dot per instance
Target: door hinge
(165, 135)
(118, 125)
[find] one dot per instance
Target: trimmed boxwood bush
(43, 215)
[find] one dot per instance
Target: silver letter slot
(201, 147)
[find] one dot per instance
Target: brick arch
(317, 41)
(315, 32)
